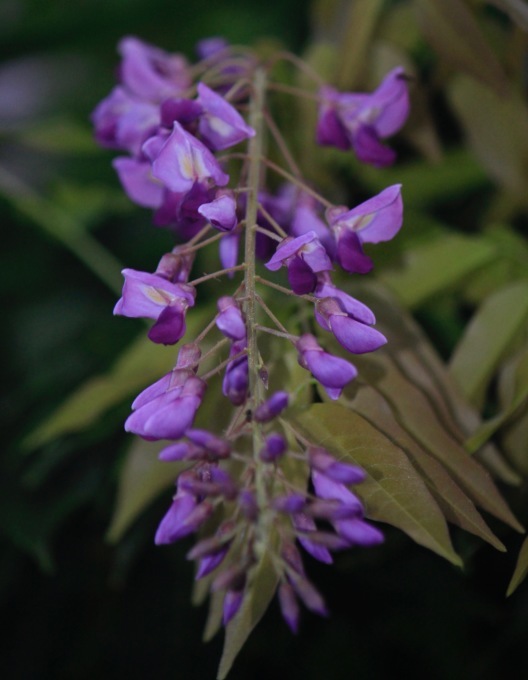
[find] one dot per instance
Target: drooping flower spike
(238, 492)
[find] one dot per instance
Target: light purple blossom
(289, 606)
(230, 321)
(220, 126)
(354, 308)
(221, 212)
(169, 414)
(332, 372)
(361, 121)
(181, 160)
(153, 297)
(305, 256)
(378, 219)
(151, 73)
(136, 178)
(353, 335)
(122, 121)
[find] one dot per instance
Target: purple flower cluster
(235, 491)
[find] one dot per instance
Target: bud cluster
(176, 121)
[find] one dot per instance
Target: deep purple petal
(300, 276)
(350, 255)
(369, 149)
(170, 326)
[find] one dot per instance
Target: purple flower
(211, 47)
(181, 160)
(153, 297)
(179, 210)
(289, 606)
(332, 372)
(221, 126)
(228, 250)
(232, 601)
(354, 529)
(185, 515)
(337, 471)
(169, 414)
(236, 378)
(185, 111)
(230, 321)
(137, 181)
(305, 256)
(123, 121)
(360, 120)
(151, 73)
(378, 219)
(305, 525)
(354, 308)
(272, 407)
(353, 335)
(176, 266)
(221, 212)
(274, 447)
(305, 219)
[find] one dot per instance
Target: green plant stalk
(256, 120)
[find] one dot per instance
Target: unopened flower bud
(272, 407)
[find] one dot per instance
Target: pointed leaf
(455, 504)
(416, 359)
(393, 491)
(489, 335)
(436, 266)
(497, 127)
(361, 20)
(455, 34)
(141, 363)
(521, 569)
(419, 418)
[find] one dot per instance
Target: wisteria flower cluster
(177, 125)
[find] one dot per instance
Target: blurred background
(75, 606)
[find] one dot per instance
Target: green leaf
(455, 34)
(521, 569)
(60, 136)
(497, 127)
(142, 362)
(141, 481)
(262, 585)
(415, 359)
(455, 504)
(420, 420)
(360, 23)
(430, 268)
(393, 491)
(426, 184)
(490, 334)
(517, 379)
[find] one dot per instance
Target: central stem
(256, 120)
